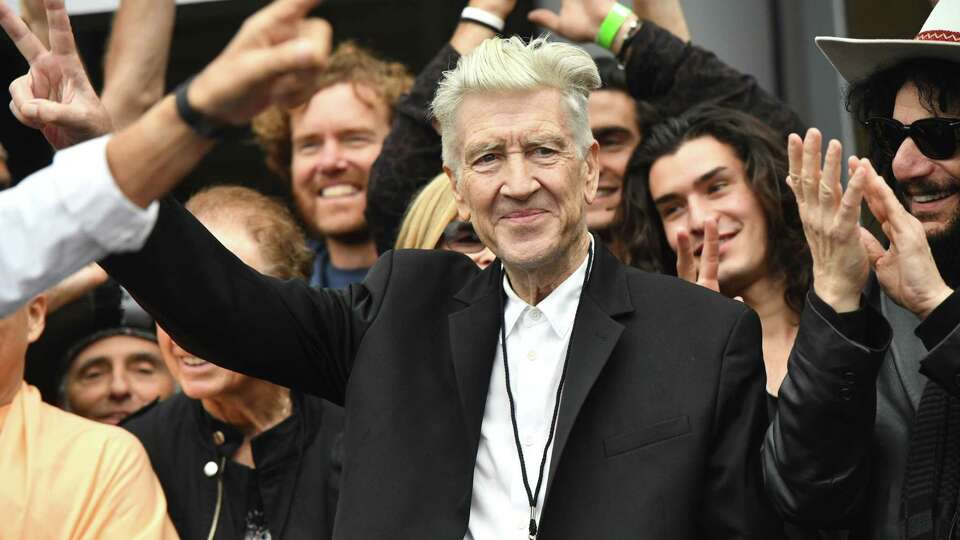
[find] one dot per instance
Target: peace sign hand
(705, 273)
(55, 96)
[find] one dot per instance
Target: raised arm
(816, 454)
(217, 307)
(411, 152)
(90, 201)
(272, 59)
(134, 68)
(666, 71)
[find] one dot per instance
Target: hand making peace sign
(55, 96)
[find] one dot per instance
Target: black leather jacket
(837, 451)
(296, 477)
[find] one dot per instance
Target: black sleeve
(219, 309)
(674, 76)
(940, 333)
(941, 321)
(411, 154)
(816, 453)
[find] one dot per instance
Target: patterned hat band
(948, 36)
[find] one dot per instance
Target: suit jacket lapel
(594, 336)
(473, 341)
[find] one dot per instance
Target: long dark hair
(764, 157)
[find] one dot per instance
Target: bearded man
(876, 447)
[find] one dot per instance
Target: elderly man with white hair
(556, 394)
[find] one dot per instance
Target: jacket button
(846, 393)
(850, 377)
(211, 469)
(218, 438)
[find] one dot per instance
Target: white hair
(499, 65)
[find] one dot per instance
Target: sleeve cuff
(851, 325)
(90, 195)
(941, 321)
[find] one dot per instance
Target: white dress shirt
(63, 217)
(537, 341)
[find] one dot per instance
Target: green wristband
(612, 24)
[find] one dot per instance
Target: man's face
(198, 378)
(931, 187)
(613, 121)
(705, 180)
(336, 138)
(522, 184)
(116, 376)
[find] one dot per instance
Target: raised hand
(831, 219)
(55, 96)
(706, 271)
(274, 58)
(468, 36)
(906, 270)
(578, 20)
(500, 8)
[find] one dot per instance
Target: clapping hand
(906, 270)
(55, 96)
(705, 273)
(831, 219)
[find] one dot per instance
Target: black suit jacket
(660, 423)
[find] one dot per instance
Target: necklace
(533, 495)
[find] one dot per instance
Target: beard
(945, 246)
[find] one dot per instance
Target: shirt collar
(559, 308)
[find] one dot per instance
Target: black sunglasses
(935, 137)
(459, 236)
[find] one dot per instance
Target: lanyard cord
(532, 496)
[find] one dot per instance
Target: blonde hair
(428, 215)
(388, 81)
(512, 64)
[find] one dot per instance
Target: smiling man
(325, 150)
(452, 377)
(718, 173)
(117, 368)
(892, 479)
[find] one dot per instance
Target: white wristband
(483, 16)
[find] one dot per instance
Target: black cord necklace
(532, 496)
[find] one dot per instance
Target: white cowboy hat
(939, 38)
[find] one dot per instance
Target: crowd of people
(524, 293)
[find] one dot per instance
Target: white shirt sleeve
(63, 217)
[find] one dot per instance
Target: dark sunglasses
(459, 236)
(935, 137)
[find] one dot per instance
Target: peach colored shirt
(65, 477)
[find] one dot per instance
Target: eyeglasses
(936, 138)
(459, 236)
